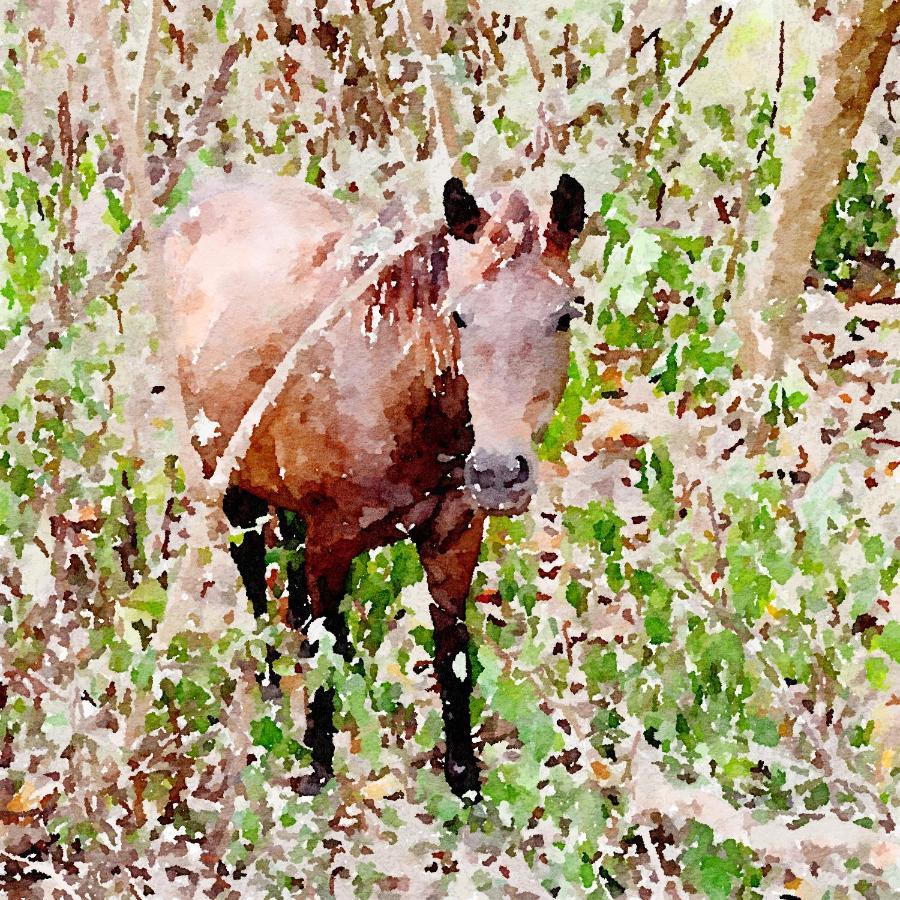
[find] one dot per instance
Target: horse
(413, 416)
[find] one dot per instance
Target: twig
(487, 33)
(520, 33)
(778, 82)
(737, 235)
(124, 122)
(441, 97)
(645, 146)
(720, 26)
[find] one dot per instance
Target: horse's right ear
(567, 217)
(461, 211)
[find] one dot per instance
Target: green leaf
(518, 703)
(599, 667)
(818, 796)
(148, 597)
(889, 640)
(266, 733)
(657, 629)
(765, 731)
(115, 215)
(142, 673)
(877, 671)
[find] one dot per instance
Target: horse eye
(564, 321)
(460, 321)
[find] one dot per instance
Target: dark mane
(415, 281)
(419, 280)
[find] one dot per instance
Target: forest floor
(642, 733)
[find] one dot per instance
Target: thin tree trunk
(814, 166)
(141, 196)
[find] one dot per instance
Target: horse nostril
(521, 473)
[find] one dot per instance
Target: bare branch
(521, 33)
(442, 99)
(778, 82)
(142, 196)
(720, 26)
(148, 76)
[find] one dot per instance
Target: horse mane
(411, 291)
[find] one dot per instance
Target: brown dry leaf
(25, 799)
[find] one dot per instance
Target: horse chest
(363, 451)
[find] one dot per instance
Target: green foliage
(702, 618)
(722, 871)
(859, 224)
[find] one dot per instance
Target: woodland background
(688, 654)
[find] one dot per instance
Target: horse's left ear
(567, 216)
(461, 211)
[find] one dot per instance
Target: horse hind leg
(293, 542)
(244, 510)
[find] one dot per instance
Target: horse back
(248, 270)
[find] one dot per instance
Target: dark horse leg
(293, 539)
(448, 548)
(243, 510)
(327, 573)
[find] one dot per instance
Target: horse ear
(567, 216)
(461, 211)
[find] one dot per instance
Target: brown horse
(413, 416)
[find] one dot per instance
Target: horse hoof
(464, 782)
(311, 784)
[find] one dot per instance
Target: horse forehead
(524, 283)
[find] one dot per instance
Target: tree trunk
(813, 167)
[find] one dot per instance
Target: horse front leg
(448, 549)
(293, 540)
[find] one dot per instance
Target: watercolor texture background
(685, 653)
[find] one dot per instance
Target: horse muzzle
(500, 483)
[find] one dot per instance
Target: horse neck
(407, 300)
(416, 281)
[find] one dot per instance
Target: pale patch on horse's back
(228, 260)
(241, 288)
